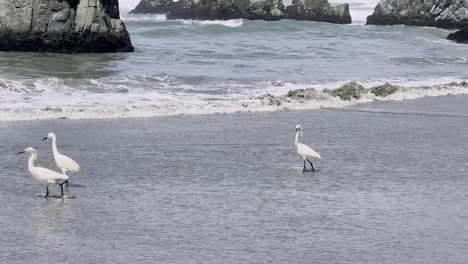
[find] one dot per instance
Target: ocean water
(227, 188)
(203, 67)
(390, 188)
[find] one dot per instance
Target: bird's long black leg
(61, 188)
(64, 172)
(47, 191)
(304, 169)
(312, 165)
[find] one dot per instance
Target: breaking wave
(145, 18)
(226, 23)
(54, 98)
(162, 18)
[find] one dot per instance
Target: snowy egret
(43, 174)
(304, 151)
(63, 162)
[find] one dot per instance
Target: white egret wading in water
(303, 150)
(43, 174)
(63, 162)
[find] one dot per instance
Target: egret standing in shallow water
(43, 174)
(63, 162)
(304, 151)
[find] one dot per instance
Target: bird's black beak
(21, 152)
(45, 138)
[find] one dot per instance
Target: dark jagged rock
(318, 10)
(295, 96)
(384, 90)
(270, 10)
(306, 94)
(435, 13)
(352, 90)
(227, 9)
(460, 36)
(204, 10)
(152, 7)
(73, 42)
(62, 26)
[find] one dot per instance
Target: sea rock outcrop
(313, 10)
(384, 90)
(460, 36)
(295, 96)
(65, 26)
(227, 9)
(435, 13)
(318, 10)
(348, 91)
(152, 7)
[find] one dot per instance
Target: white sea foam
(52, 98)
(163, 18)
(145, 18)
(226, 23)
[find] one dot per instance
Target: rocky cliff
(436, 13)
(314, 10)
(62, 26)
(318, 10)
(227, 9)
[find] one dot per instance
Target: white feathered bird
(43, 174)
(65, 163)
(304, 151)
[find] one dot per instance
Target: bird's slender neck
(297, 138)
(54, 146)
(31, 161)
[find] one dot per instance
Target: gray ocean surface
(391, 188)
(187, 67)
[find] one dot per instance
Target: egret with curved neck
(43, 174)
(304, 151)
(65, 163)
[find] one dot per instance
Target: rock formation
(227, 9)
(460, 36)
(152, 7)
(314, 10)
(436, 13)
(352, 90)
(65, 26)
(318, 10)
(204, 10)
(384, 90)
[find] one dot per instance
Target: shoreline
(348, 108)
(350, 94)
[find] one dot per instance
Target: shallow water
(391, 188)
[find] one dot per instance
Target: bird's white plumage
(40, 173)
(65, 163)
(303, 150)
(48, 175)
